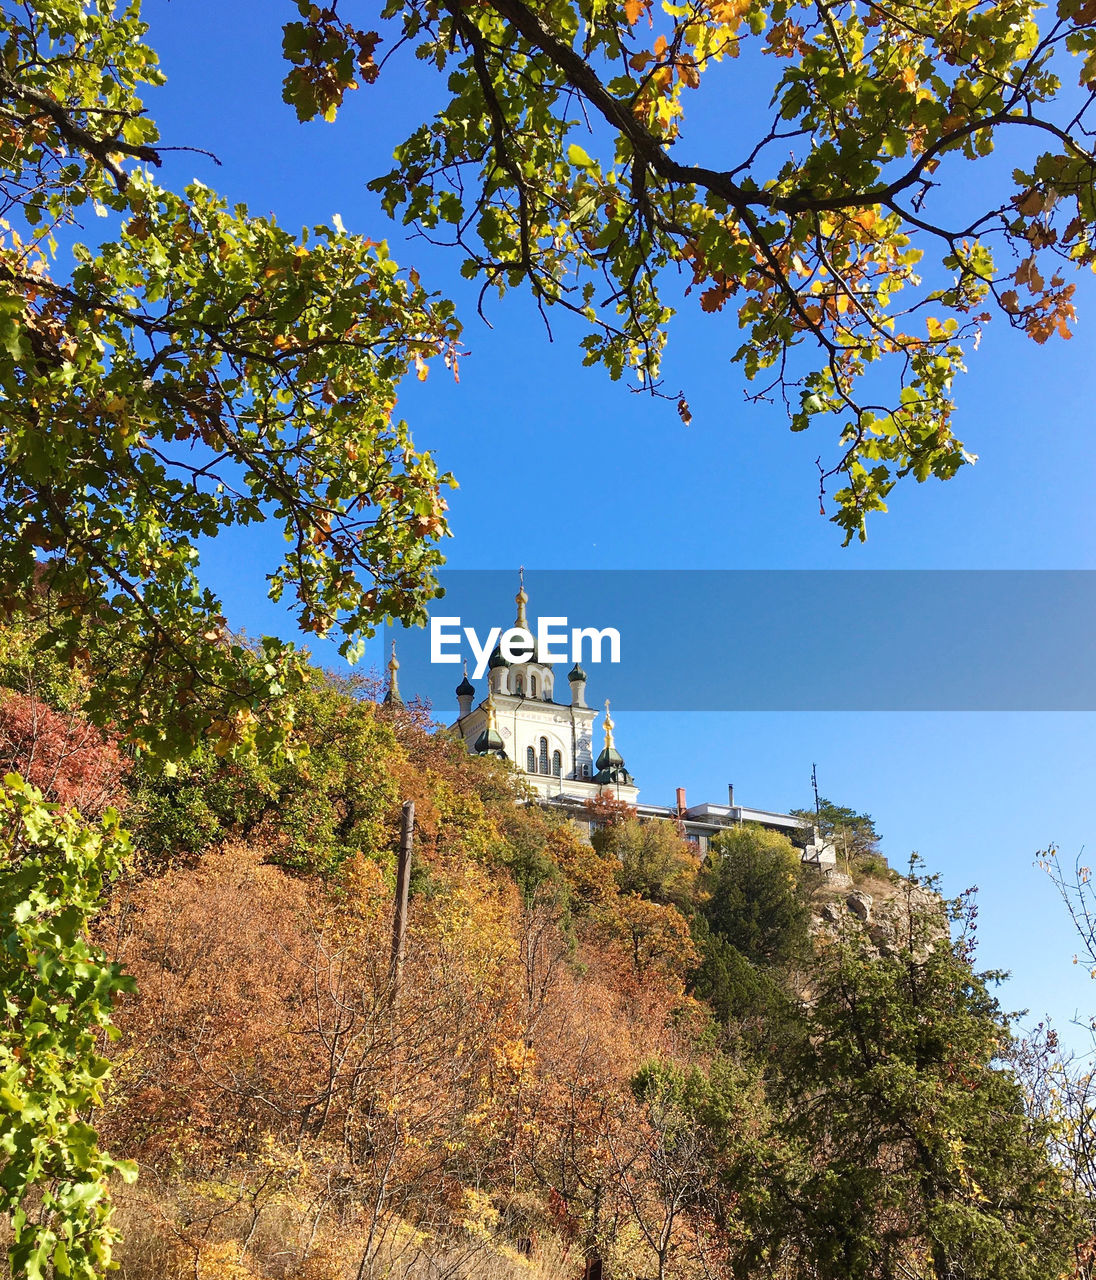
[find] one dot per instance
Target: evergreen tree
(755, 895)
(907, 1150)
(852, 834)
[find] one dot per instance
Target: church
(552, 739)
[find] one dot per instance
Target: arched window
(544, 755)
(517, 686)
(530, 760)
(557, 764)
(532, 686)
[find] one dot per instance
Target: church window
(532, 686)
(557, 764)
(544, 755)
(518, 686)
(530, 760)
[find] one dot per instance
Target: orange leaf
(688, 73)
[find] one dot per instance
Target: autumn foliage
(273, 1080)
(69, 760)
(597, 1053)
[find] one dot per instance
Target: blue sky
(561, 469)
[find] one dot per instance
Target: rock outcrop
(884, 913)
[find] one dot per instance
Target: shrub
(71, 762)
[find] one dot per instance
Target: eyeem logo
(519, 645)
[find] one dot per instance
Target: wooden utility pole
(403, 880)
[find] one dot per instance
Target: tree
(1062, 1086)
(202, 370)
(62, 755)
(742, 994)
(652, 858)
(653, 933)
(852, 834)
(1060, 1092)
(58, 991)
(332, 798)
(697, 1130)
(909, 1148)
(562, 161)
(754, 896)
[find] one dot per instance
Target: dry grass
(164, 1240)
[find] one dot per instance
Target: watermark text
(554, 642)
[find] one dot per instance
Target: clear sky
(561, 469)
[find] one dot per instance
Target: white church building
(552, 739)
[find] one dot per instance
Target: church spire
(521, 600)
(392, 697)
(610, 764)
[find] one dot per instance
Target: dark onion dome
(497, 659)
(576, 673)
(489, 743)
(610, 767)
(617, 773)
(465, 687)
(610, 764)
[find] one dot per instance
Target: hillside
(602, 1058)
